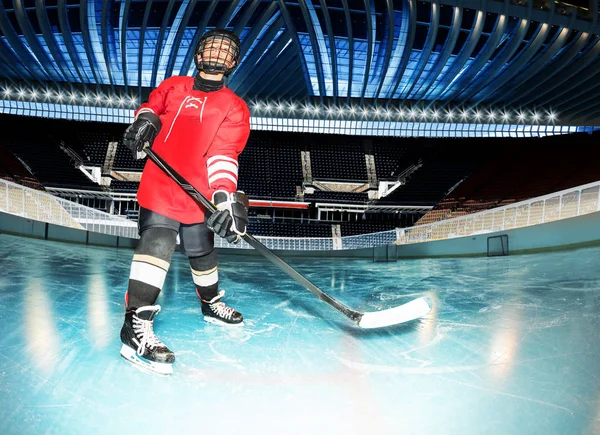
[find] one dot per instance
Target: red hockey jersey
(201, 136)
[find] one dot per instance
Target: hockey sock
(150, 266)
(205, 274)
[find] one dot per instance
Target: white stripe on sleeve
(215, 158)
(221, 175)
(222, 166)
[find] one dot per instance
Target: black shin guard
(150, 266)
(205, 275)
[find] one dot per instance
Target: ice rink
(512, 346)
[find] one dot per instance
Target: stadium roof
(535, 58)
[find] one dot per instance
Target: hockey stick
(392, 316)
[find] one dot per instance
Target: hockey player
(199, 127)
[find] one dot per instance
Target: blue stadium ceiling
(534, 55)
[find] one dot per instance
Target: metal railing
(33, 204)
(565, 204)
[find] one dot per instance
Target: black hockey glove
(231, 218)
(143, 130)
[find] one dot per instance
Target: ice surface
(510, 347)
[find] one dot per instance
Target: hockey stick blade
(393, 316)
(376, 319)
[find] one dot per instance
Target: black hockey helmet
(218, 51)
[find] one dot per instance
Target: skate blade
(142, 363)
(220, 322)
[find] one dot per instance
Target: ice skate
(217, 312)
(141, 346)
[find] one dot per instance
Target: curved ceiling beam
(87, 18)
(286, 67)
(57, 57)
(231, 12)
(412, 81)
(178, 28)
(140, 59)
(561, 87)
(123, 19)
(479, 62)
(8, 60)
(289, 22)
(584, 98)
(324, 52)
(264, 49)
(442, 59)
(294, 91)
(408, 28)
(518, 63)
(532, 69)
(389, 44)
(65, 30)
(489, 72)
(28, 61)
(445, 81)
(555, 68)
(243, 21)
(250, 46)
(159, 42)
(188, 61)
(105, 29)
(350, 48)
(315, 47)
(371, 38)
(45, 63)
(573, 93)
(332, 49)
(264, 65)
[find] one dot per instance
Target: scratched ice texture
(512, 346)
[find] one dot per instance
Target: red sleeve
(229, 142)
(156, 100)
